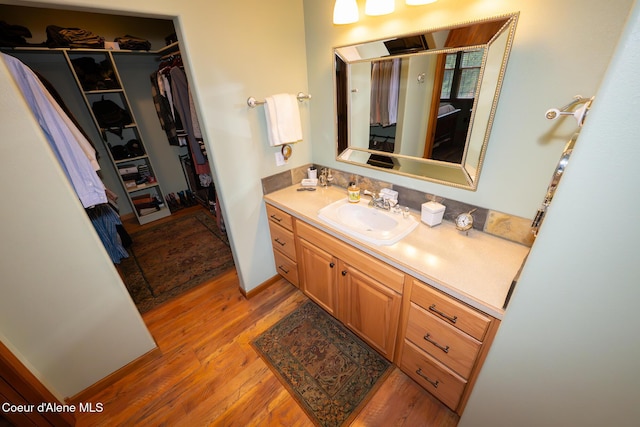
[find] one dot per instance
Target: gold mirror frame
(353, 149)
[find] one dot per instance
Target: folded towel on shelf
(283, 119)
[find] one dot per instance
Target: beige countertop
(477, 268)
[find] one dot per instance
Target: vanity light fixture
(419, 2)
(345, 12)
(379, 7)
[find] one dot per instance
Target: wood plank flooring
(208, 373)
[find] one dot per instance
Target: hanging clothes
(106, 222)
(73, 151)
(385, 90)
(164, 109)
(181, 97)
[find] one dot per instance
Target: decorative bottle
(354, 192)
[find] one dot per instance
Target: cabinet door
(319, 276)
(370, 309)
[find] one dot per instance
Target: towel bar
(252, 102)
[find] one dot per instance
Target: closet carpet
(172, 257)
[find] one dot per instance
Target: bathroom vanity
(431, 302)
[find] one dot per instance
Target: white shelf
(153, 216)
(154, 189)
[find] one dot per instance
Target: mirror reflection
(422, 104)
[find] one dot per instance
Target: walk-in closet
(122, 82)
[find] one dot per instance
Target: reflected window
(461, 71)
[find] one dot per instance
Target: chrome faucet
(379, 202)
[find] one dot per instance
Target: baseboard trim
(85, 394)
(264, 285)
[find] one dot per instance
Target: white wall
(552, 40)
(233, 52)
(568, 353)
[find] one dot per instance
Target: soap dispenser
(354, 191)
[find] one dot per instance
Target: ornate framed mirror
(423, 104)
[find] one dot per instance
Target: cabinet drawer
(279, 217)
(282, 240)
(452, 347)
(450, 311)
(286, 268)
(432, 375)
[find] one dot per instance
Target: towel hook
(252, 102)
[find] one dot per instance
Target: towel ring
(252, 102)
(286, 151)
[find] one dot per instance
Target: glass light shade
(419, 2)
(379, 7)
(345, 12)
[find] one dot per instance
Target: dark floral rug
(173, 257)
(327, 369)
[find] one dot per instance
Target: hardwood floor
(208, 373)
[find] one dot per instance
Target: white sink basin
(375, 226)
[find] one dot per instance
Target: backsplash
(510, 227)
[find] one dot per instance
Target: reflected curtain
(385, 88)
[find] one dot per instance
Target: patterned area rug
(173, 257)
(327, 369)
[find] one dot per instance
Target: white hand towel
(283, 119)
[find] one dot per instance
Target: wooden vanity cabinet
(445, 343)
(441, 342)
(283, 243)
(362, 292)
(319, 271)
(369, 308)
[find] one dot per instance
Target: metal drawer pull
(332, 264)
(275, 218)
(433, 383)
(428, 339)
(277, 240)
(283, 269)
(449, 318)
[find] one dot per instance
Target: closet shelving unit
(136, 193)
(130, 131)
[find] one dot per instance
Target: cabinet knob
(331, 264)
(344, 272)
